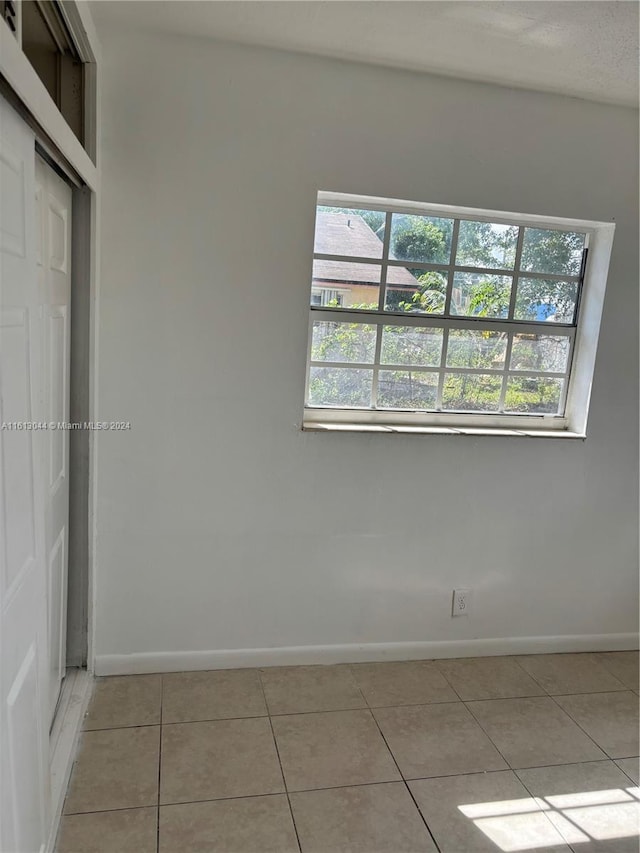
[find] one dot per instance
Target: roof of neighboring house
(349, 234)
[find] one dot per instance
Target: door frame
(56, 143)
(77, 545)
(21, 79)
(83, 290)
(23, 89)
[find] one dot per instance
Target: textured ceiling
(584, 48)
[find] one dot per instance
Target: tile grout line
(576, 723)
(405, 783)
(569, 845)
(610, 671)
(555, 697)
(515, 658)
(451, 685)
(275, 743)
(215, 720)
(405, 704)
(601, 760)
(577, 693)
(118, 728)
(365, 707)
(159, 765)
(543, 811)
(424, 820)
(359, 785)
(110, 811)
(486, 733)
(514, 771)
(606, 756)
(354, 678)
(532, 677)
(367, 704)
(615, 761)
(356, 684)
(566, 713)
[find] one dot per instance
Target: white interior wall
(222, 526)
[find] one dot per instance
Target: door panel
(57, 335)
(13, 182)
(24, 757)
(58, 219)
(17, 450)
(24, 760)
(57, 608)
(53, 196)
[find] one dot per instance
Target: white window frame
(583, 335)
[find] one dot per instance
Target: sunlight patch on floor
(534, 822)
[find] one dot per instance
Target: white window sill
(325, 426)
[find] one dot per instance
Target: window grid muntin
(443, 364)
(446, 311)
(424, 321)
(451, 270)
(447, 321)
(497, 217)
(514, 289)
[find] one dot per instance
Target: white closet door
(24, 711)
(53, 209)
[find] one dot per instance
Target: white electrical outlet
(461, 602)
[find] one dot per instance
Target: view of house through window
(422, 313)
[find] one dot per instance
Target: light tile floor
(532, 753)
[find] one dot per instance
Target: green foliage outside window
(428, 240)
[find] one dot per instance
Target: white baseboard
(295, 655)
(76, 692)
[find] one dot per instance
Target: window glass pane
(340, 386)
(481, 295)
(420, 238)
(416, 291)
(540, 353)
(343, 342)
(392, 268)
(338, 284)
(405, 389)
(411, 345)
(476, 349)
(345, 231)
(471, 392)
(546, 300)
(558, 252)
(486, 244)
(538, 395)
